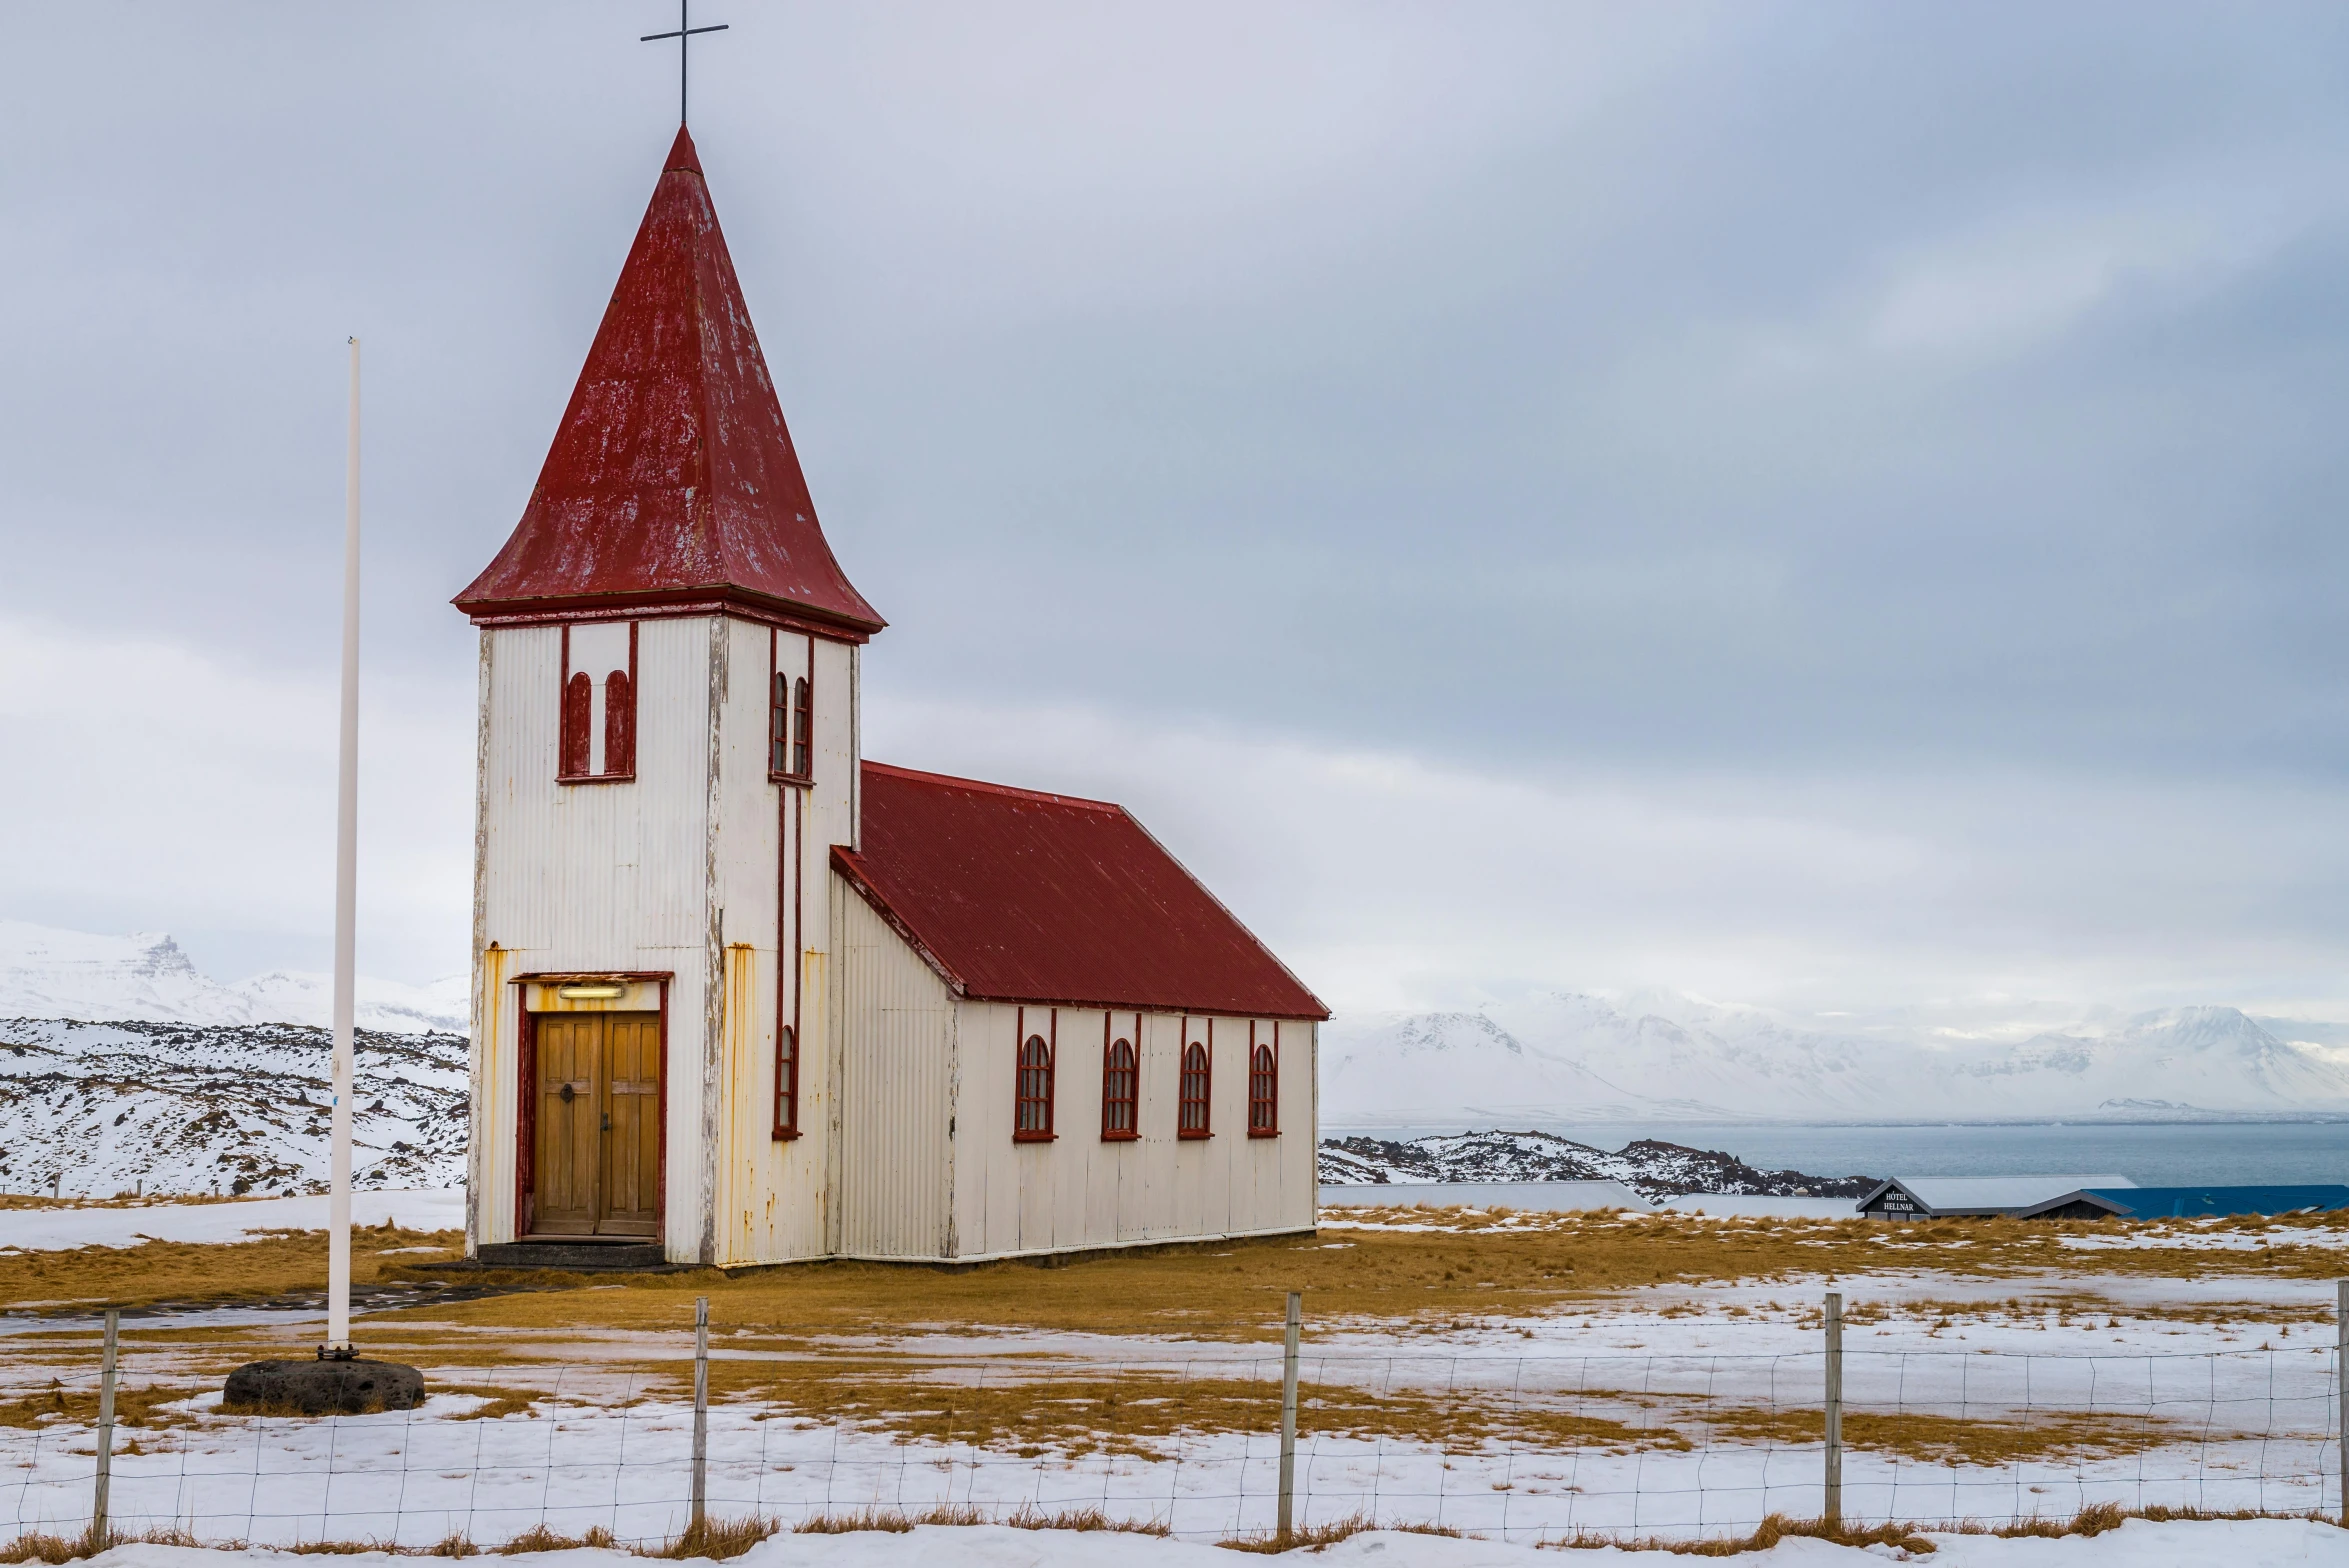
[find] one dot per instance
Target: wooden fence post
(1833, 1511)
(701, 1416)
(2341, 1383)
(1289, 1416)
(100, 1530)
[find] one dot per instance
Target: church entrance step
(572, 1256)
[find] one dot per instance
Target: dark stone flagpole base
(321, 1387)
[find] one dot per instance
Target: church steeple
(672, 482)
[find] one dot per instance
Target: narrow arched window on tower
(1191, 1115)
(786, 1082)
(803, 714)
(1264, 1093)
(1032, 1108)
(1119, 1085)
(779, 727)
(619, 726)
(578, 713)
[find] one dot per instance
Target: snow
(37, 1230)
(1567, 1059)
(50, 973)
(1732, 1204)
(1556, 1196)
(2250, 1543)
(1646, 1165)
(102, 1109)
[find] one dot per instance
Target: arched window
(578, 710)
(1191, 1116)
(1264, 1093)
(1120, 1088)
(1032, 1110)
(619, 725)
(779, 726)
(786, 1082)
(803, 713)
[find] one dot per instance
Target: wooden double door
(596, 1155)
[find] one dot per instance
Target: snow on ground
(39, 1230)
(113, 1108)
(418, 1477)
(1670, 1412)
(2252, 1543)
(1553, 1197)
(1738, 1204)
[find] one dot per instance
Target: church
(742, 996)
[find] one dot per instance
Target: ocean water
(2167, 1154)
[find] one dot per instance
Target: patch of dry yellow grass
(274, 1263)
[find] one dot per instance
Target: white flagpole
(346, 908)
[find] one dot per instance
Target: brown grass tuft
(1314, 1537)
(717, 1539)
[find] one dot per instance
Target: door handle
(607, 1121)
(569, 1094)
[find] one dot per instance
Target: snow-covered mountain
(48, 973)
(1653, 1169)
(102, 1108)
(1562, 1058)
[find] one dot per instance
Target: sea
(2158, 1154)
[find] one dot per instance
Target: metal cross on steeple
(685, 34)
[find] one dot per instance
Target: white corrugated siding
(679, 870)
(897, 1134)
(773, 1192)
(1082, 1191)
(593, 876)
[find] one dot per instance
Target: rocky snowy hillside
(1569, 1059)
(48, 973)
(110, 1107)
(1650, 1168)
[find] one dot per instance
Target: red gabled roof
(1017, 896)
(672, 479)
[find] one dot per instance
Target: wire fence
(1518, 1447)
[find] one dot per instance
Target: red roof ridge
(1044, 797)
(1078, 906)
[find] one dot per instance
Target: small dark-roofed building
(1947, 1197)
(2146, 1203)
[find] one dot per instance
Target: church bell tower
(668, 750)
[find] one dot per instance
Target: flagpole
(346, 909)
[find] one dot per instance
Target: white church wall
(899, 1129)
(592, 877)
(1081, 1190)
(776, 914)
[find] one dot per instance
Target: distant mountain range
(1564, 1059)
(230, 1108)
(48, 973)
(1557, 1059)
(1650, 1168)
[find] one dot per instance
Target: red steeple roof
(672, 481)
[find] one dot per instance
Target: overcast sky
(1837, 506)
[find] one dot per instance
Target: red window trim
(1132, 1130)
(781, 735)
(1206, 1101)
(790, 922)
(624, 724)
(1020, 1098)
(1271, 1099)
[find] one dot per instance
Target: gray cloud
(1835, 425)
